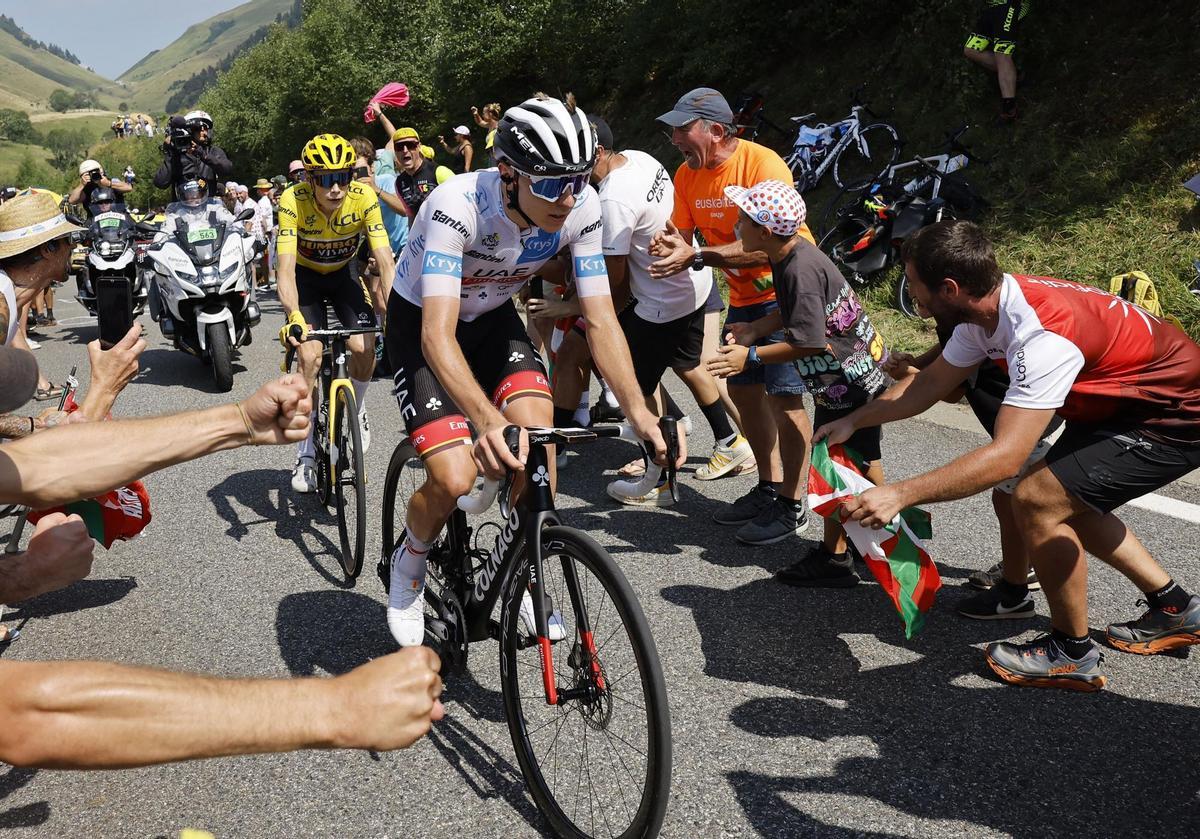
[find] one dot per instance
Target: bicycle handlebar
(479, 502)
(315, 334)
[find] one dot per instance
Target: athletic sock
(1172, 597)
(1008, 105)
(793, 504)
(1011, 595)
(718, 421)
(308, 446)
(769, 487)
(583, 417)
(1075, 647)
(564, 417)
(607, 395)
(408, 569)
(360, 392)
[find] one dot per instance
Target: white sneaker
(406, 606)
(725, 459)
(685, 422)
(304, 475)
(622, 491)
(364, 429)
(554, 626)
(33, 345)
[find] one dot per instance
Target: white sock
(308, 448)
(607, 395)
(582, 415)
(406, 609)
(360, 392)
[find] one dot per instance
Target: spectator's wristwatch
(698, 261)
(752, 359)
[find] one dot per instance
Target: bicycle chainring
(451, 632)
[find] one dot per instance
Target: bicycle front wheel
(876, 147)
(349, 483)
(598, 763)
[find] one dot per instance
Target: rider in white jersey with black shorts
(455, 341)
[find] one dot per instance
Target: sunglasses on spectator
(297, 175)
(553, 188)
(362, 172)
(327, 180)
(411, 145)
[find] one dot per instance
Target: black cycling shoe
(601, 412)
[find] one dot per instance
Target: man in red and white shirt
(1128, 386)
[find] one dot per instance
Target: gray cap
(604, 135)
(18, 377)
(701, 103)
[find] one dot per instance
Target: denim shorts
(780, 379)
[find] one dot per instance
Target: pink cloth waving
(392, 93)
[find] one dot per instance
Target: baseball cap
(18, 377)
(701, 103)
(771, 204)
(604, 135)
(295, 165)
(462, 129)
(407, 133)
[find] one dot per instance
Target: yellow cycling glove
(295, 327)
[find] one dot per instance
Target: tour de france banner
(896, 553)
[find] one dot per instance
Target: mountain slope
(28, 76)
(203, 45)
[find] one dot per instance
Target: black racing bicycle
(341, 472)
(583, 689)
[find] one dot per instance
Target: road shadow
(169, 367)
(85, 594)
(28, 815)
(947, 744)
(332, 632)
(268, 494)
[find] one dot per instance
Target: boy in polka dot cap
(828, 336)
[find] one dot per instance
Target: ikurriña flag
(896, 553)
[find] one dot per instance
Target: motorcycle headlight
(209, 275)
(226, 273)
(106, 248)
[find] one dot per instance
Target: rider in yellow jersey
(321, 223)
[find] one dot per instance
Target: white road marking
(1168, 507)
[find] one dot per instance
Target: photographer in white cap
(91, 178)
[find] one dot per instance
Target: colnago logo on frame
(487, 573)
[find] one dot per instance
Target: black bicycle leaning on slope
(585, 701)
(341, 472)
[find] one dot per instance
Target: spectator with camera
(92, 178)
(188, 153)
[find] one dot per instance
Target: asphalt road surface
(794, 713)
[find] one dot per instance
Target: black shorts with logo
(498, 351)
(1107, 467)
(656, 346)
(343, 292)
(996, 29)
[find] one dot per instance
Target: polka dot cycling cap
(770, 204)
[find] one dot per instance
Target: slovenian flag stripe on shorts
(895, 554)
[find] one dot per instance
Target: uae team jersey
(1095, 358)
(462, 244)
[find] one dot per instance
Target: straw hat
(29, 220)
(262, 183)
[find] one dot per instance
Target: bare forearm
(14, 427)
(36, 472)
(733, 256)
(963, 477)
(285, 280)
(96, 715)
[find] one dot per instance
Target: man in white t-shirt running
(664, 325)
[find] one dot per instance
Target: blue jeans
(779, 379)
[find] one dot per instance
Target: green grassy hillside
(203, 45)
(28, 77)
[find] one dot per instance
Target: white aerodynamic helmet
(541, 137)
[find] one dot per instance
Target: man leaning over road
(769, 397)
(79, 714)
(1128, 386)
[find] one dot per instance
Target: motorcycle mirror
(245, 215)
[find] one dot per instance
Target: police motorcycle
(110, 240)
(202, 294)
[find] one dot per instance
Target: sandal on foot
(52, 392)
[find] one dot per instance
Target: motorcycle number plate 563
(202, 234)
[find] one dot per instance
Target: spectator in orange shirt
(768, 396)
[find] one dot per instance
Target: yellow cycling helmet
(328, 151)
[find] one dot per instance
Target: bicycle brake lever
(669, 427)
(512, 439)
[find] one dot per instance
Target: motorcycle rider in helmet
(194, 206)
(188, 153)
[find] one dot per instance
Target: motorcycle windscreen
(110, 227)
(202, 244)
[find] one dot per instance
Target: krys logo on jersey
(539, 248)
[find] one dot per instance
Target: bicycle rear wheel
(876, 148)
(599, 762)
(349, 483)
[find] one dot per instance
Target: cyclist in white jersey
(455, 341)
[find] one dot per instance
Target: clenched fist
(389, 703)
